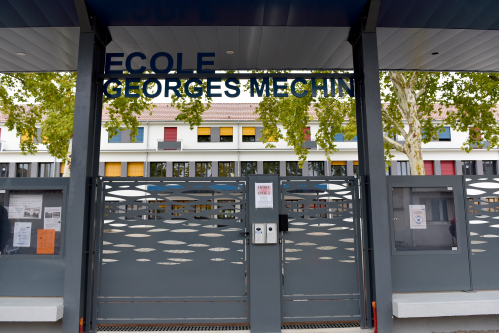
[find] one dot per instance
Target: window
(249, 134)
(448, 167)
(227, 211)
(445, 135)
(428, 168)
(204, 134)
(23, 170)
(248, 168)
(158, 169)
(45, 170)
(135, 169)
(292, 169)
(469, 168)
(271, 168)
(4, 170)
(124, 136)
(203, 169)
(306, 131)
(489, 167)
(113, 169)
(339, 137)
(404, 168)
(226, 169)
(181, 169)
(226, 134)
(316, 168)
(356, 166)
(339, 168)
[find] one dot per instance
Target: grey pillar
(192, 169)
(214, 168)
(84, 170)
(12, 169)
(34, 170)
(259, 167)
(304, 170)
(258, 134)
(395, 168)
(371, 161)
(215, 134)
(282, 168)
(349, 168)
(237, 168)
(102, 169)
(479, 167)
(459, 168)
(327, 168)
(124, 169)
(146, 169)
(265, 262)
(437, 168)
(169, 169)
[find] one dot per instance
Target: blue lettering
(232, 87)
(198, 91)
(202, 62)
(179, 65)
(209, 87)
(293, 88)
(116, 90)
(349, 90)
(277, 87)
(167, 69)
(259, 90)
(322, 87)
(109, 62)
(129, 88)
(174, 89)
(158, 88)
(128, 63)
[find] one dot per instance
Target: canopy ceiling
(264, 34)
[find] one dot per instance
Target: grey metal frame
(49, 268)
(297, 183)
(445, 270)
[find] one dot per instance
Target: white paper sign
(417, 215)
(22, 234)
(52, 218)
(31, 206)
(263, 195)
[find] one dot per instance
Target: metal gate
(171, 250)
(321, 252)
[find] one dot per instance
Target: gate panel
(321, 250)
(172, 251)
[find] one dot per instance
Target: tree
(48, 99)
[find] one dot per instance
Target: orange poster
(45, 241)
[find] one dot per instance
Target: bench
(31, 309)
(444, 304)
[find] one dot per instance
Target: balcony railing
(169, 145)
(309, 145)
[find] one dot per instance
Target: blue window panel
(339, 137)
(354, 139)
(444, 136)
(140, 135)
(114, 139)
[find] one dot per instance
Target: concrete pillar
(34, 170)
(102, 169)
(259, 167)
(12, 169)
(304, 170)
(169, 169)
(395, 168)
(350, 168)
(479, 167)
(192, 169)
(282, 168)
(124, 169)
(437, 169)
(459, 168)
(214, 167)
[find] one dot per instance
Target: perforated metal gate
(322, 250)
(174, 251)
(171, 251)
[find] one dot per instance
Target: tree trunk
(67, 165)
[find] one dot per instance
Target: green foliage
(191, 108)
(48, 99)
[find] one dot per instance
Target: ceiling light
(229, 52)
(434, 53)
(21, 53)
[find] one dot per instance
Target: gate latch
(283, 222)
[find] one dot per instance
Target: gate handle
(244, 233)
